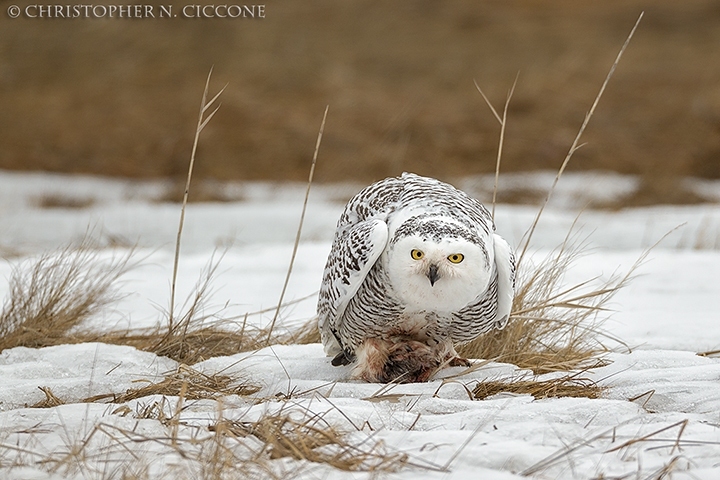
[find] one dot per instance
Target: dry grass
(203, 120)
(198, 332)
(186, 382)
(709, 353)
(183, 452)
(63, 201)
(51, 295)
(223, 448)
(195, 344)
(552, 327)
(307, 333)
(203, 191)
(230, 449)
(49, 401)
(186, 338)
(574, 448)
(565, 386)
(312, 439)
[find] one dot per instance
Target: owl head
(437, 264)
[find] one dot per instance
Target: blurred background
(120, 97)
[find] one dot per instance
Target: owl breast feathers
(415, 269)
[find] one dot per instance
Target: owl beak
(433, 275)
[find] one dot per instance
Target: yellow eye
(456, 257)
(417, 254)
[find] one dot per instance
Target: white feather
(505, 264)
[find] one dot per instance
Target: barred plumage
(415, 269)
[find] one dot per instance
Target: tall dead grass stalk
(503, 123)
(201, 123)
(199, 331)
(300, 225)
(576, 142)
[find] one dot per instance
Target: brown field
(120, 96)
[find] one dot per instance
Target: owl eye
(456, 257)
(417, 254)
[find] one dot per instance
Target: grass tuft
(552, 327)
(197, 333)
(50, 400)
(565, 386)
(310, 438)
(193, 385)
(307, 333)
(196, 343)
(51, 295)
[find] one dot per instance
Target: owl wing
(505, 265)
(355, 250)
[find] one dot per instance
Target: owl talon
(459, 362)
(342, 358)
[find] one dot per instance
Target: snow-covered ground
(659, 414)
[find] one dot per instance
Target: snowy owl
(414, 270)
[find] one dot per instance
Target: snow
(660, 411)
(74, 372)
